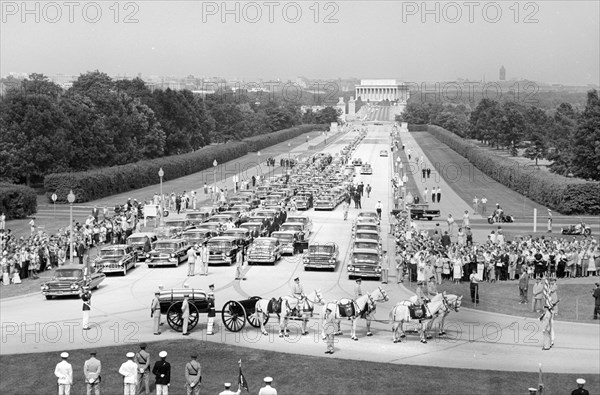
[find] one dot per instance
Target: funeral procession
(230, 235)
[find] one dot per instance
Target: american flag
(546, 292)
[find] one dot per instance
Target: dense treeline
(567, 137)
(101, 122)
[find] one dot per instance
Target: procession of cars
(266, 222)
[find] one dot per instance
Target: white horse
(288, 306)
(363, 307)
(453, 303)
(400, 314)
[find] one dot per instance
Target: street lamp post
(215, 180)
(161, 174)
(71, 200)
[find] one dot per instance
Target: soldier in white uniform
(227, 391)
(185, 314)
(155, 313)
(129, 371)
(298, 290)
(64, 372)
(357, 289)
(91, 369)
(267, 389)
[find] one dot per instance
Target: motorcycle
(503, 218)
(581, 229)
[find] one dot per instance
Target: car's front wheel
(48, 297)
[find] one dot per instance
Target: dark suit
(162, 371)
(80, 252)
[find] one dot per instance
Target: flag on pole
(242, 380)
(546, 292)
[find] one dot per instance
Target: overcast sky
(363, 39)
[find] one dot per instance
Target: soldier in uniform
(298, 291)
(162, 372)
(227, 391)
(329, 328)
(142, 358)
(191, 259)
(185, 313)
(86, 297)
(64, 372)
(580, 390)
(155, 313)
(547, 327)
(267, 389)
(193, 375)
(129, 371)
(357, 289)
(91, 370)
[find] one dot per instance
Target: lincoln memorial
(380, 90)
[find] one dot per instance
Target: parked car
(165, 232)
(243, 235)
(365, 262)
(222, 250)
(142, 243)
(116, 258)
(264, 250)
(168, 252)
(383, 152)
(198, 236)
(325, 203)
(196, 217)
(303, 219)
(366, 243)
(356, 162)
(256, 228)
(303, 202)
(367, 234)
(212, 226)
(365, 226)
(180, 225)
(71, 280)
(289, 241)
(366, 169)
(367, 214)
(321, 256)
(295, 227)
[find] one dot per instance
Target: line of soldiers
(136, 375)
(135, 372)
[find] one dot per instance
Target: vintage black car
(142, 243)
(70, 280)
(196, 217)
(222, 250)
(256, 228)
(117, 258)
(243, 235)
(321, 256)
(168, 252)
(198, 236)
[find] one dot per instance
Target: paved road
(475, 339)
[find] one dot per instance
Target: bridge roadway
(476, 339)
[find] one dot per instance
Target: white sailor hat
(268, 379)
(227, 385)
(580, 381)
(162, 354)
(130, 355)
(64, 355)
(532, 390)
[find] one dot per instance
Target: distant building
(502, 74)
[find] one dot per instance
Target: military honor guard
(193, 375)
(155, 312)
(329, 329)
(129, 371)
(91, 369)
(142, 358)
(162, 373)
(185, 314)
(64, 373)
(268, 389)
(191, 259)
(547, 320)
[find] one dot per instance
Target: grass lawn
(576, 301)
(468, 181)
(293, 374)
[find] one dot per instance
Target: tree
(537, 148)
(511, 126)
(560, 138)
(586, 140)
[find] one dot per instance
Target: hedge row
(562, 194)
(95, 184)
(413, 127)
(256, 143)
(17, 201)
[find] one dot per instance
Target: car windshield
(365, 257)
(284, 237)
(296, 219)
(68, 273)
(234, 232)
(368, 215)
(164, 232)
(264, 243)
(193, 235)
(175, 223)
(364, 244)
(368, 236)
(219, 244)
(197, 215)
(165, 246)
(137, 240)
(112, 253)
(250, 226)
(323, 249)
(366, 227)
(291, 227)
